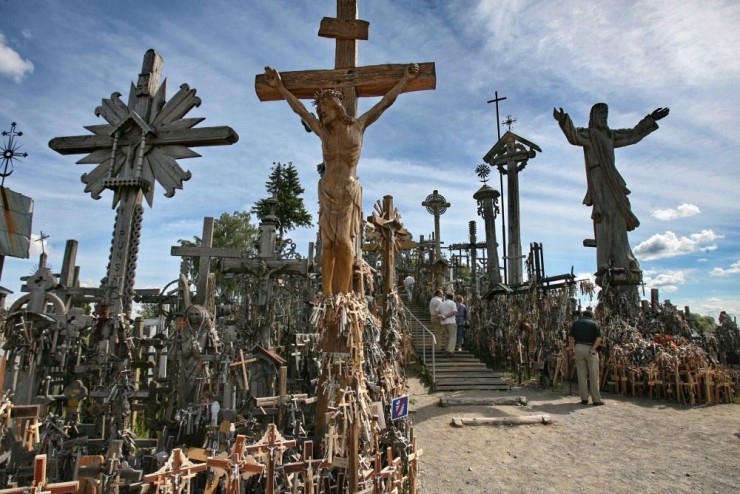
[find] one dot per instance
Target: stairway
(460, 371)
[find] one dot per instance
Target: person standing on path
(461, 320)
(408, 282)
(436, 322)
(585, 339)
(446, 312)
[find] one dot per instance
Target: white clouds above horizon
(682, 211)
(12, 65)
(668, 244)
(733, 269)
(667, 281)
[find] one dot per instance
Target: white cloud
(668, 244)
(11, 63)
(667, 282)
(682, 211)
(733, 269)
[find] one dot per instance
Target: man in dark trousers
(585, 339)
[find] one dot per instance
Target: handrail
(424, 346)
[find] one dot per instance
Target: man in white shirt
(446, 312)
(408, 282)
(436, 321)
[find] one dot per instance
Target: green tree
(149, 311)
(702, 324)
(285, 185)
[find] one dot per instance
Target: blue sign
(400, 407)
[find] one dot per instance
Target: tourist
(446, 311)
(461, 319)
(585, 339)
(408, 282)
(436, 323)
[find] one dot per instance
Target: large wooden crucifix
(335, 92)
(139, 145)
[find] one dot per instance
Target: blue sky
(59, 59)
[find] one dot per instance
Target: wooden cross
(436, 205)
(175, 474)
(306, 464)
(510, 155)
(271, 448)
(353, 81)
(41, 239)
(237, 466)
(393, 237)
(413, 460)
(39, 484)
(140, 145)
(242, 364)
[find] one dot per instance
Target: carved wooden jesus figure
(606, 189)
(340, 193)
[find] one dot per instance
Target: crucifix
(176, 474)
(393, 237)
(238, 466)
(271, 448)
(340, 195)
(140, 145)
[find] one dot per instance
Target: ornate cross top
(436, 205)
(351, 80)
(139, 145)
(143, 139)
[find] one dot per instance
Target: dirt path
(630, 445)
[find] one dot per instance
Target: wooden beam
(205, 251)
(206, 136)
(521, 420)
(447, 401)
(371, 80)
(344, 28)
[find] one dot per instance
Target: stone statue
(606, 189)
(340, 193)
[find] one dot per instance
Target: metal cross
(509, 121)
(41, 239)
(496, 99)
(10, 151)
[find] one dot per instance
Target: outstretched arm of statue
(272, 77)
(659, 113)
(559, 115)
(411, 72)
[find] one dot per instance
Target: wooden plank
(206, 136)
(447, 401)
(205, 251)
(523, 420)
(370, 80)
(348, 29)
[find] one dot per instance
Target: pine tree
(285, 185)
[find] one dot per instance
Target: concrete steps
(460, 371)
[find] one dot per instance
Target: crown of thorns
(325, 94)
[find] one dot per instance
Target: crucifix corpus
(335, 95)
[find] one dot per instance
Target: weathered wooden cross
(271, 448)
(175, 475)
(511, 154)
(139, 145)
(351, 80)
(238, 466)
